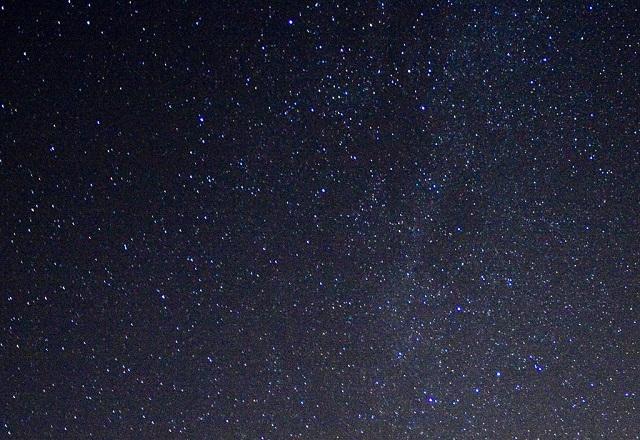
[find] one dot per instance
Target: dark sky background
(332, 220)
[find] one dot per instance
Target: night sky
(331, 220)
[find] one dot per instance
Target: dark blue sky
(331, 220)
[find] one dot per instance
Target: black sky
(331, 220)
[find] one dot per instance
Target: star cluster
(320, 220)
